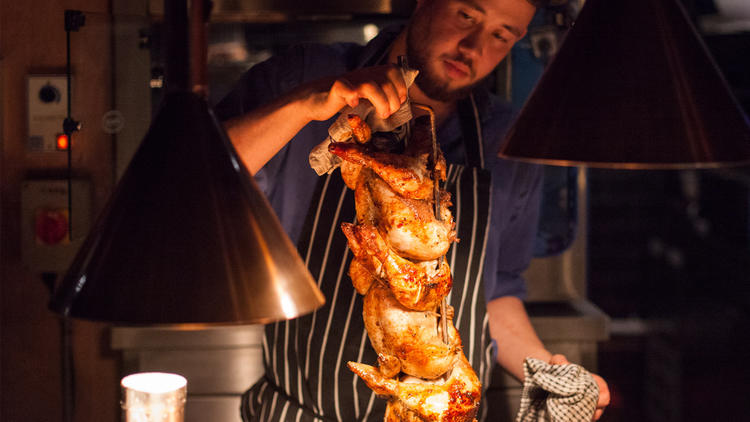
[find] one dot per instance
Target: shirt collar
(378, 47)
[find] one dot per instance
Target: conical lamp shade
(187, 237)
(632, 86)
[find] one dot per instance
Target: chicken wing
(362, 278)
(405, 174)
(361, 133)
(454, 398)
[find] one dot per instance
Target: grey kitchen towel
(557, 393)
(323, 161)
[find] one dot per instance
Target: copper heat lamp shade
(187, 236)
(632, 86)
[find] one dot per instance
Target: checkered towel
(557, 393)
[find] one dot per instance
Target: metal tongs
(436, 198)
(435, 192)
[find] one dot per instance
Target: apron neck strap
(471, 129)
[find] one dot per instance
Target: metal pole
(176, 63)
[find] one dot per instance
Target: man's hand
(603, 401)
(262, 132)
(383, 86)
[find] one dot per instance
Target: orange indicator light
(61, 142)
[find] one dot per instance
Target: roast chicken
(451, 398)
(399, 242)
(419, 286)
(407, 341)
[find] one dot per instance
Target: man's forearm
(515, 337)
(260, 134)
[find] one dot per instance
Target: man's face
(456, 43)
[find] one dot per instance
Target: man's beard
(416, 39)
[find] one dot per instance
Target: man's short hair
(546, 3)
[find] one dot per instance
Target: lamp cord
(67, 367)
(67, 373)
(74, 19)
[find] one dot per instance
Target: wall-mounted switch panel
(47, 99)
(46, 241)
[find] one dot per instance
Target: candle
(153, 397)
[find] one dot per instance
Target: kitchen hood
(282, 10)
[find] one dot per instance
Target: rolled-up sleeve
(261, 84)
(515, 214)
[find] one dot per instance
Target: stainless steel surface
(568, 321)
(185, 337)
(562, 277)
(571, 328)
(632, 86)
(215, 360)
(220, 363)
(213, 408)
(132, 71)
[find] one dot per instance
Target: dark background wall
(32, 40)
(669, 253)
(670, 262)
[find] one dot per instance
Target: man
(282, 108)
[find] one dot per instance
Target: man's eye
(500, 37)
(465, 16)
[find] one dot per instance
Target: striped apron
(306, 378)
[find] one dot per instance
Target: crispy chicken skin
(362, 278)
(417, 286)
(454, 398)
(409, 225)
(411, 337)
(363, 201)
(405, 174)
(361, 131)
(350, 173)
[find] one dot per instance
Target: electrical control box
(49, 242)
(47, 100)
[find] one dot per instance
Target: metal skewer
(402, 62)
(436, 197)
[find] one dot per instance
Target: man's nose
(471, 43)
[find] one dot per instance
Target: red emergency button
(51, 226)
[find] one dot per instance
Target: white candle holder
(153, 397)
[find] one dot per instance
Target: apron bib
(306, 378)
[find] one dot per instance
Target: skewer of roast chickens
(404, 228)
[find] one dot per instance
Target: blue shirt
(289, 182)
